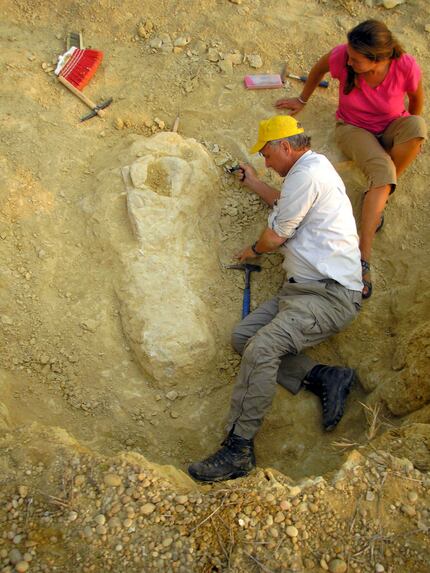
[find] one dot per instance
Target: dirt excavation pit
(168, 241)
(116, 308)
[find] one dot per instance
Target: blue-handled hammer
(248, 269)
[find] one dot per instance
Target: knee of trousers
(259, 350)
(238, 340)
(380, 170)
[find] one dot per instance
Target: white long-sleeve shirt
(314, 214)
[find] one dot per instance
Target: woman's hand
(290, 103)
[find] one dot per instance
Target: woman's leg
(369, 155)
(403, 154)
(403, 139)
(373, 206)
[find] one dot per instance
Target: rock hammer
(286, 74)
(248, 269)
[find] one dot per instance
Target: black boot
(235, 459)
(332, 384)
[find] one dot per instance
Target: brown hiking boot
(234, 459)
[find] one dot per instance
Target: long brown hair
(373, 40)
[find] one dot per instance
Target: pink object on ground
(263, 81)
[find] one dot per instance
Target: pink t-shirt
(374, 108)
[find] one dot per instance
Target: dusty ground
(66, 363)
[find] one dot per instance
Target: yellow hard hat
(276, 127)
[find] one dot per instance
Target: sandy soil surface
(77, 400)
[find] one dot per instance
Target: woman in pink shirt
(373, 126)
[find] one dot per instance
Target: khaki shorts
(369, 151)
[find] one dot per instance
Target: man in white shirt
(313, 225)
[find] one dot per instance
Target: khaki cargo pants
(271, 340)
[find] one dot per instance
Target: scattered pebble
(15, 556)
(118, 123)
(147, 509)
(255, 61)
(337, 566)
(292, 531)
(112, 480)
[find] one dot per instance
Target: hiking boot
(234, 459)
(332, 384)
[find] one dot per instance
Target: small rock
(167, 541)
(337, 566)
(156, 43)
(236, 1)
(172, 395)
(213, 55)
(225, 66)
(89, 324)
(147, 509)
(427, 28)
(255, 61)
(141, 31)
(79, 480)
(292, 531)
(408, 510)
(235, 58)
(379, 568)
(100, 519)
(370, 496)
(285, 505)
(101, 530)
(15, 556)
(181, 42)
(413, 496)
(161, 124)
(22, 567)
(279, 518)
(389, 4)
(323, 564)
(294, 491)
(118, 123)
(23, 490)
(112, 480)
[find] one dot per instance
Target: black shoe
(235, 459)
(332, 384)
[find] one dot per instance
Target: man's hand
(245, 254)
(248, 175)
(268, 242)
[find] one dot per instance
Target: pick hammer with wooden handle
(81, 96)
